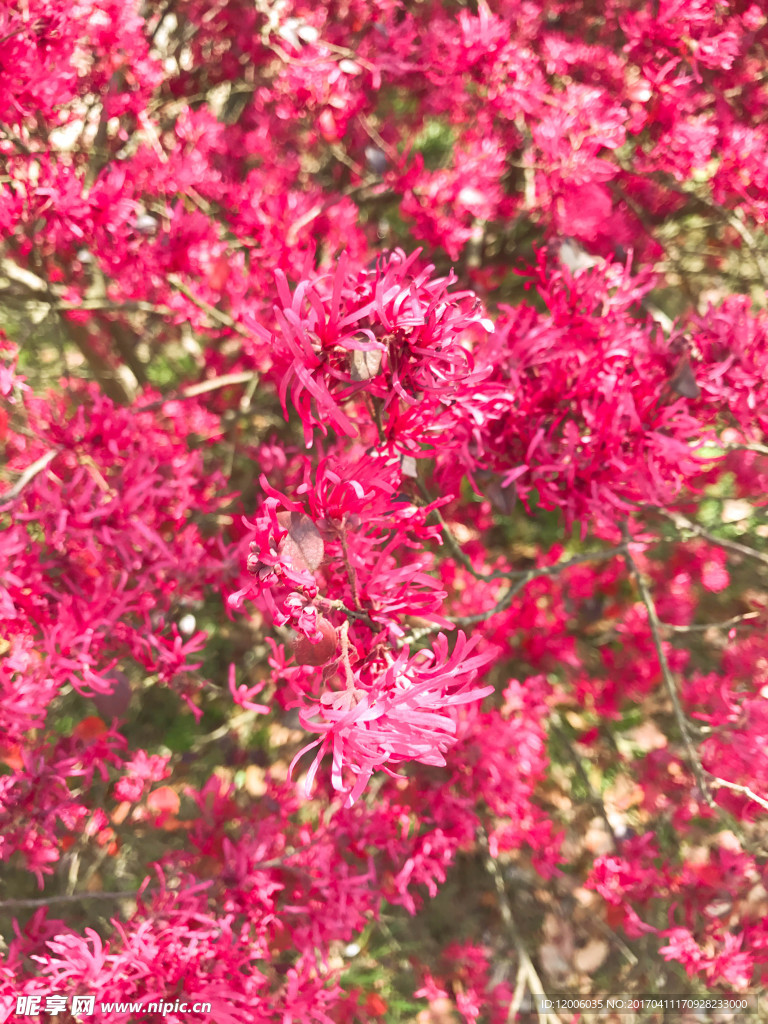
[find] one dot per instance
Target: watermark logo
(85, 1006)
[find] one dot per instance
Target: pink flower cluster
(356, 364)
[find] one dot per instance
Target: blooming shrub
(383, 397)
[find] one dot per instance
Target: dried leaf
(364, 364)
(409, 467)
(303, 546)
(683, 380)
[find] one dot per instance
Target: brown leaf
(303, 546)
(683, 380)
(364, 364)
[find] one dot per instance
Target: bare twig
(529, 174)
(129, 306)
(682, 522)
(74, 897)
(203, 388)
(524, 578)
(741, 229)
(244, 407)
(666, 672)
(717, 783)
(761, 449)
(594, 797)
(702, 627)
(81, 897)
(29, 474)
(334, 200)
(352, 613)
(731, 217)
(527, 975)
(102, 303)
(215, 314)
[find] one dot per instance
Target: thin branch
(29, 474)
(682, 522)
(320, 208)
(129, 306)
(730, 217)
(761, 449)
(203, 388)
(666, 672)
(524, 578)
(594, 797)
(215, 314)
(717, 783)
(456, 550)
(702, 627)
(75, 897)
(244, 718)
(352, 613)
(529, 175)
(193, 391)
(527, 973)
(351, 574)
(389, 151)
(749, 239)
(139, 305)
(81, 897)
